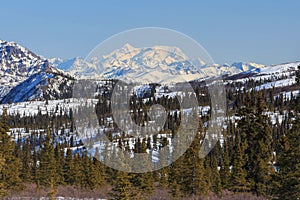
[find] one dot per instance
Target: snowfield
(32, 108)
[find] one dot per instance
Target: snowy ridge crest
(28, 76)
(24, 73)
(151, 64)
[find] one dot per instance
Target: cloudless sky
(262, 31)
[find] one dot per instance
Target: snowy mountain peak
(17, 62)
(247, 66)
(78, 67)
(150, 64)
(163, 64)
(172, 50)
(54, 62)
(127, 48)
(24, 72)
(133, 63)
(25, 75)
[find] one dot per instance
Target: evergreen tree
(3, 191)
(98, 172)
(143, 182)
(255, 138)
(298, 74)
(195, 179)
(188, 176)
(69, 168)
(47, 174)
(238, 181)
(175, 179)
(87, 179)
(164, 172)
(77, 170)
(214, 175)
(225, 166)
(10, 173)
(60, 160)
(262, 152)
(123, 188)
(288, 164)
(26, 159)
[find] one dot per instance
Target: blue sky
(265, 32)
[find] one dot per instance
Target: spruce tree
(60, 160)
(238, 181)
(261, 148)
(69, 168)
(197, 182)
(164, 172)
(175, 179)
(86, 165)
(47, 174)
(3, 191)
(10, 173)
(123, 189)
(77, 170)
(298, 74)
(26, 158)
(214, 179)
(255, 138)
(143, 182)
(288, 164)
(98, 172)
(225, 166)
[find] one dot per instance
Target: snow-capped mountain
(160, 64)
(280, 76)
(40, 86)
(272, 72)
(54, 62)
(16, 65)
(77, 67)
(242, 67)
(26, 75)
(19, 61)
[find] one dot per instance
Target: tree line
(256, 156)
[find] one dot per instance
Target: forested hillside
(257, 157)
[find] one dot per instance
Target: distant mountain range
(155, 64)
(28, 76)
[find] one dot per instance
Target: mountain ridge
(134, 64)
(28, 76)
(24, 72)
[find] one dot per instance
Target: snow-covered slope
(272, 72)
(54, 62)
(153, 64)
(281, 75)
(17, 64)
(243, 67)
(26, 76)
(27, 90)
(78, 67)
(280, 69)
(234, 68)
(40, 86)
(274, 76)
(161, 64)
(19, 61)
